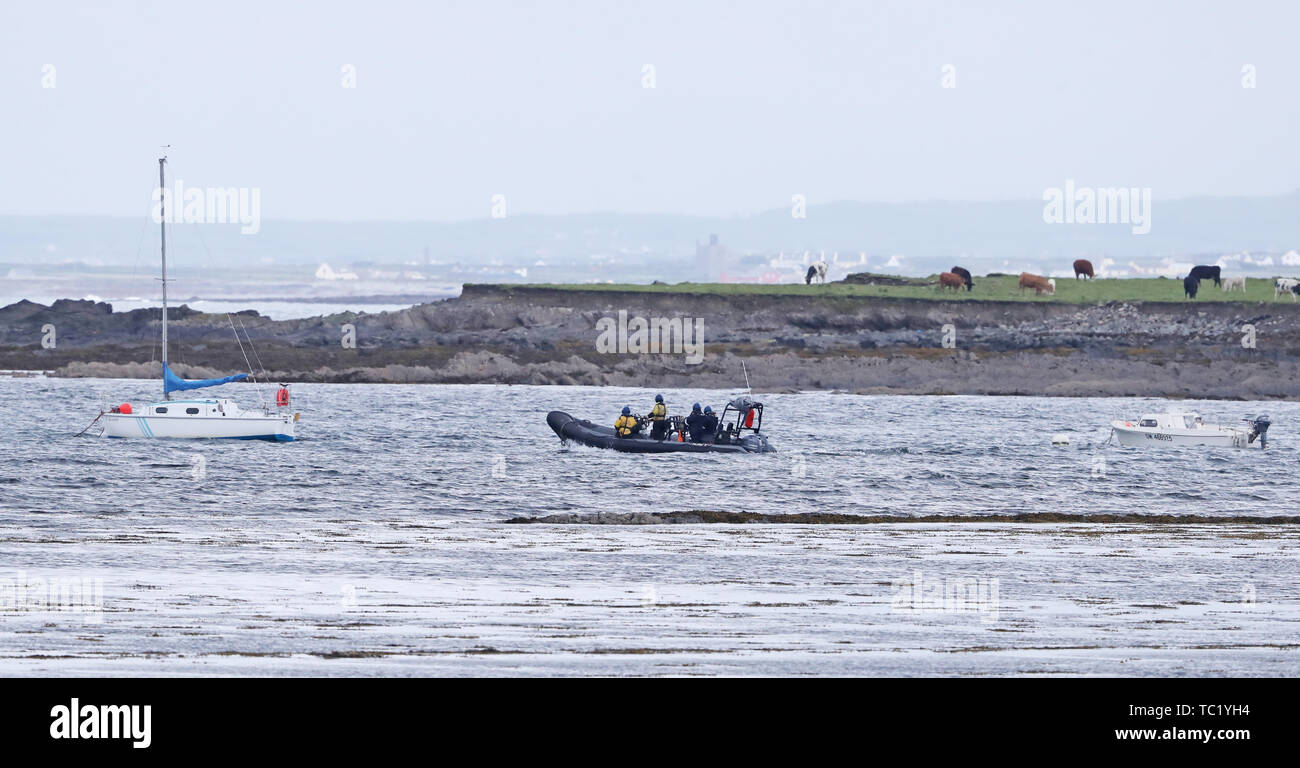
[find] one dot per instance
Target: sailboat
(197, 418)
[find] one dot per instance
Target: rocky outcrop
(543, 335)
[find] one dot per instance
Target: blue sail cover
(174, 383)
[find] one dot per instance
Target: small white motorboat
(1179, 428)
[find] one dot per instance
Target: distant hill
(983, 233)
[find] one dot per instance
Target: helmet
(695, 407)
(708, 409)
(627, 410)
(659, 398)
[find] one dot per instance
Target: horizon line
(649, 215)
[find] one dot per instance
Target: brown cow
(949, 280)
(1083, 267)
(1039, 283)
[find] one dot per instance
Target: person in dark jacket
(695, 423)
(710, 424)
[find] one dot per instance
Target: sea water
(377, 543)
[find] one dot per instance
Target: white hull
(212, 419)
(1213, 436)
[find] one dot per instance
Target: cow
(1039, 283)
(1234, 282)
(949, 280)
(1202, 272)
(818, 270)
(965, 275)
(1083, 267)
(1286, 285)
(1190, 285)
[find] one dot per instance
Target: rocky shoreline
(541, 335)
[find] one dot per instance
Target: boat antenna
(162, 210)
(746, 370)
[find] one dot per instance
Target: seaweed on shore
(702, 516)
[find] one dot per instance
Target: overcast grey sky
(544, 102)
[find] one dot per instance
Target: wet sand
(390, 597)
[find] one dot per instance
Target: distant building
(711, 258)
(324, 272)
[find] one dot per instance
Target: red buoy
(124, 408)
(749, 418)
(282, 397)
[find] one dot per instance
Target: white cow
(1286, 285)
(1234, 282)
(817, 270)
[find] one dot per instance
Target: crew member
(710, 430)
(659, 415)
(627, 424)
(695, 423)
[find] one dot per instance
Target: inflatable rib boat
(737, 433)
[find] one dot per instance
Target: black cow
(964, 274)
(1190, 284)
(1205, 273)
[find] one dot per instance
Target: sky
(546, 104)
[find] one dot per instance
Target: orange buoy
(124, 408)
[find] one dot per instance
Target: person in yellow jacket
(627, 424)
(659, 417)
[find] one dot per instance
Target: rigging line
(265, 373)
(250, 365)
(144, 226)
(198, 233)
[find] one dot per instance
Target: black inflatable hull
(597, 436)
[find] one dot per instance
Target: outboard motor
(1259, 428)
(756, 444)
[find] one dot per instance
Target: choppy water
(485, 453)
(374, 545)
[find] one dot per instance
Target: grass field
(986, 289)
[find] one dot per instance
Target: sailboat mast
(162, 201)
